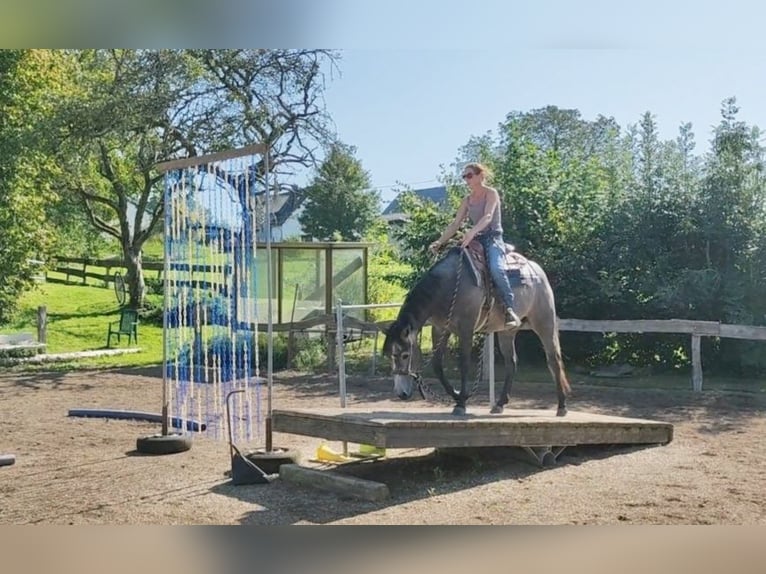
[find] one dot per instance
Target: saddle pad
(516, 266)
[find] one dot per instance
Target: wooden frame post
(696, 363)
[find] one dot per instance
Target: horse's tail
(560, 372)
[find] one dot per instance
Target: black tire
(163, 444)
(119, 288)
(269, 462)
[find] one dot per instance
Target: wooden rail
(697, 330)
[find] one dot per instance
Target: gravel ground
(85, 471)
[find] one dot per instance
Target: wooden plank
(743, 332)
(209, 158)
(710, 328)
(333, 482)
(430, 428)
(17, 339)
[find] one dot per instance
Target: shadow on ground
(37, 380)
(420, 475)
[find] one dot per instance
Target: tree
(135, 108)
(28, 78)
(339, 202)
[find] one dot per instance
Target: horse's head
(401, 345)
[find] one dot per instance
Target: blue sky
(419, 77)
(409, 110)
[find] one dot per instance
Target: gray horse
(452, 295)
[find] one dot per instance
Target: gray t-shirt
(476, 212)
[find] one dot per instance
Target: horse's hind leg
(548, 333)
(507, 343)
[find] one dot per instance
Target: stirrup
(511, 318)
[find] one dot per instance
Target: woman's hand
(434, 247)
(467, 240)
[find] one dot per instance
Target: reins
(424, 388)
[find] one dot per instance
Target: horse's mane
(422, 293)
(421, 296)
(418, 298)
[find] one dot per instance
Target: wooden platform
(425, 428)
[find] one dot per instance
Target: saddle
(516, 267)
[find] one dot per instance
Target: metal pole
(269, 325)
(341, 362)
(166, 305)
(341, 353)
(489, 358)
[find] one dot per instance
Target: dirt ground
(84, 470)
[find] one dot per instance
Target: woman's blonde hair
(477, 168)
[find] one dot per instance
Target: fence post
(341, 352)
(696, 364)
(42, 324)
(489, 365)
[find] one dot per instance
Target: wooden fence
(78, 268)
(696, 329)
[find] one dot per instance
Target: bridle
(416, 376)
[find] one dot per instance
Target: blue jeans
(494, 251)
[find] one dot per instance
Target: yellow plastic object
(325, 453)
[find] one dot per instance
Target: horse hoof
(458, 411)
(562, 411)
(496, 410)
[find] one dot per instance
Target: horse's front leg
(466, 341)
(440, 338)
(507, 343)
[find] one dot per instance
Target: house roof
(437, 195)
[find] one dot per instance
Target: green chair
(126, 325)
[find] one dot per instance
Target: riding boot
(495, 252)
(512, 319)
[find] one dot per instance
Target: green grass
(78, 320)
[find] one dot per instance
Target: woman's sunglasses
(468, 175)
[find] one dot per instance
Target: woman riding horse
(482, 206)
(454, 303)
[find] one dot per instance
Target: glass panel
(259, 281)
(348, 278)
(303, 286)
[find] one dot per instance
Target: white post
(489, 362)
(696, 364)
(341, 353)
(341, 362)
